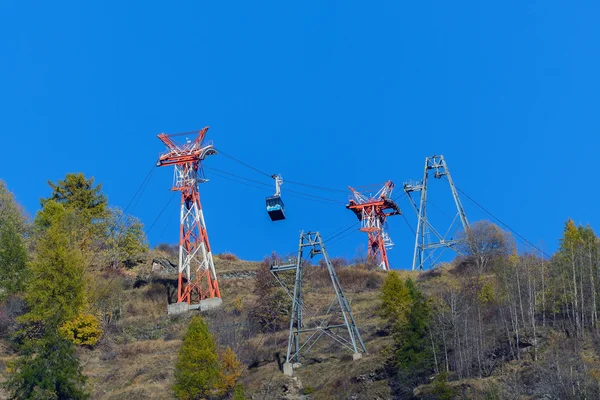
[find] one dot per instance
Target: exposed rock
(163, 265)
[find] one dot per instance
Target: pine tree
(413, 348)
(10, 211)
(197, 371)
(13, 260)
(78, 193)
(57, 285)
(395, 300)
(47, 368)
(13, 254)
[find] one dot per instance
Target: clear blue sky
(327, 93)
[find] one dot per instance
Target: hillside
(492, 324)
(136, 356)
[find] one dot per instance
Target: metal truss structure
(307, 328)
(426, 248)
(372, 211)
(197, 279)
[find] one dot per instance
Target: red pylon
(372, 211)
(197, 279)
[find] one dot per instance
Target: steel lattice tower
(197, 279)
(425, 247)
(306, 328)
(372, 211)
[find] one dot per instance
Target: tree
(13, 254)
(201, 372)
(78, 193)
(272, 308)
(47, 368)
(10, 211)
(413, 349)
(231, 370)
(197, 371)
(124, 239)
(13, 260)
(57, 284)
(484, 242)
(395, 300)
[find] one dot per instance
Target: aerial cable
(243, 163)
(317, 187)
(237, 176)
(408, 224)
(161, 212)
(146, 179)
(299, 195)
(240, 182)
(325, 199)
(326, 237)
(287, 181)
(330, 241)
(503, 223)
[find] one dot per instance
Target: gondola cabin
(275, 208)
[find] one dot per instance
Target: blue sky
(325, 93)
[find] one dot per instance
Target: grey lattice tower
(431, 243)
(307, 327)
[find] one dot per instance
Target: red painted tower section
(197, 279)
(372, 211)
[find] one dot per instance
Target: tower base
(204, 305)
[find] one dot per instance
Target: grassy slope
(135, 359)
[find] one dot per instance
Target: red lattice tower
(372, 211)
(197, 279)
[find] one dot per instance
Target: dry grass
(227, 256)
(135, 359)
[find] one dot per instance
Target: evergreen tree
(47, 368)
(78, 193)
(197, 371)
(395, 300)
(10, 211)
(13, 260)
(13, 254)
(413, 347)
(57, 285)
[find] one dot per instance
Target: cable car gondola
(275, 207)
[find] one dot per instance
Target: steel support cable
(141, 188)
(162, 211)
(408, 224)
(262, 188)
(146, 179)
(317, 187)
(237, 181)
(243, 163)
(343, 227)
(287, 181)
(501, 222)
(103, 292)
(331, 201)
(329, 240)
(167, 224)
